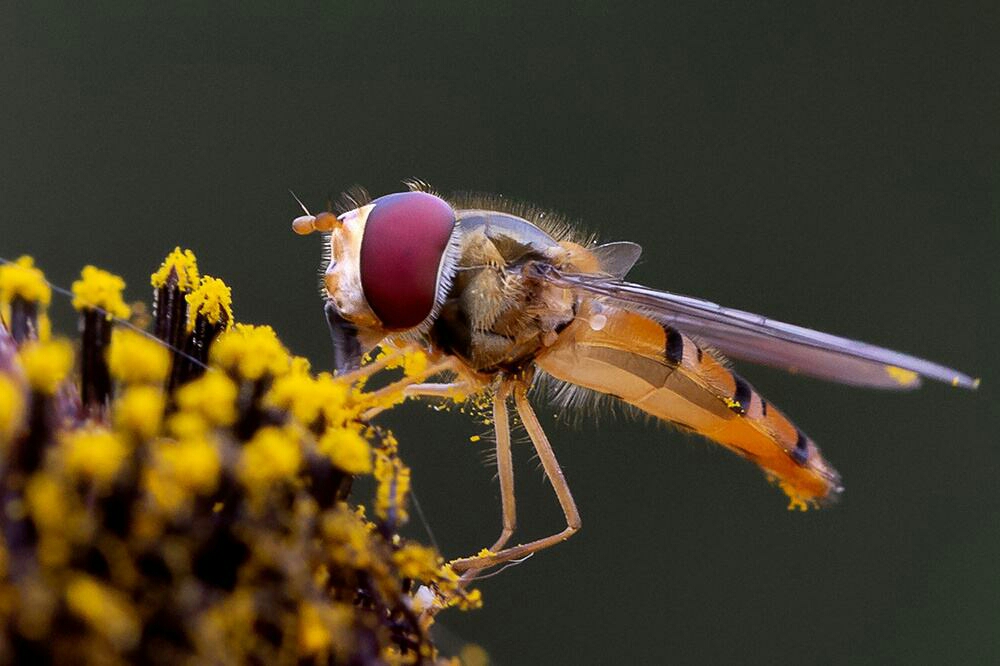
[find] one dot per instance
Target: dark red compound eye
(405, 240)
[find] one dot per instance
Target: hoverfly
(497, 295)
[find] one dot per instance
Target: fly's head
(391, 263)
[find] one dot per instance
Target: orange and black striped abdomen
(666, 374)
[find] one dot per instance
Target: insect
(498, 296)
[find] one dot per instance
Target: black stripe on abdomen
(674, 347)
(742, 396)
(800, 453)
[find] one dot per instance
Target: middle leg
(556, 477)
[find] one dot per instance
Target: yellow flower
(136, 359)
(22, 280)
(212, 300)
(106, 610)
(100, 289)
(347, 449)
(416, 561)
(46, 364)
(181, 263)
(139, 410)
(181, 470)
(11, 409)
(187, 424)
(314, 635)
(47, 502)
(295, 392)
(250, 352)
(168, 495)
(95, 454)
(193, 462)
(272, 455)
(307, 397)
(393, 479)
(348, 537)
(212, 396)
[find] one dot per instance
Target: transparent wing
(757, 339)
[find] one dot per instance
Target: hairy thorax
(495, 316)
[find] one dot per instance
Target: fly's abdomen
(664, 373)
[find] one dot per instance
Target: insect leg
(412, 387)
(505, 465)
(505, 471)
(555, 475)
(449, 390)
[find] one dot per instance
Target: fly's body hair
(559, 227)
(353, 197)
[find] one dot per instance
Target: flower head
(184, 494)
(100, 289)
(137, 359)
(250, 352)
(181, 268)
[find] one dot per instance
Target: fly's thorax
(495, 316)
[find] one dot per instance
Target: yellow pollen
(393, 479)
(272, 455)
(100, 289)
(46, 364)
(135, 359)
(94, 454)
(347, 450)
(902, 377)
(313, 632)
(106, 610)
(417, 562)
(22, 280)
(139, 410)
(181, 263)
(212, 396)
(47, 502)
(307, 397)
(250, 352)
(212, 300)
(192, 463)
(11, 409)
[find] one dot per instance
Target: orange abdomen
(666, 374)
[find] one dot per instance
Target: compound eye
(402, 252)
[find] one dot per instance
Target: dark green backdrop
(833, 166)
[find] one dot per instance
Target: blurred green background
(832, 165)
